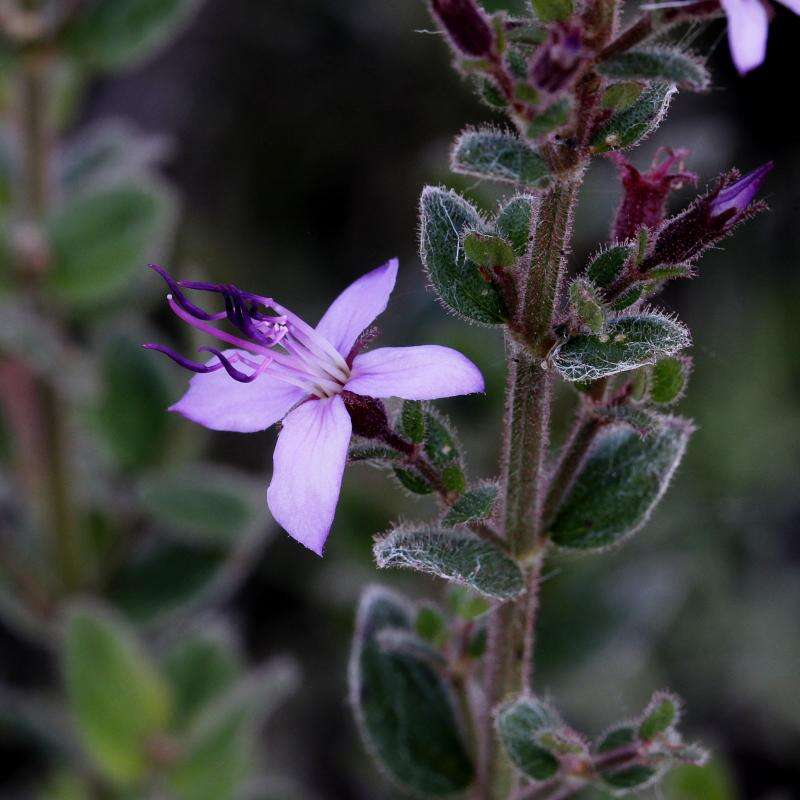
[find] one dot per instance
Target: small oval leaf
(633, 124)
(658, 63)
(477, 503)
(520, 723)
(627, 343)
(445, 217)
(500, 156)
(403, 706)
(454, 555)
(622, 480)
(514, 222)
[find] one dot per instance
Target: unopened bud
(644, 199)
(467, 24)
(368, 416)
(737, 197)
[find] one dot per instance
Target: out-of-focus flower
(644, 198)
(280, 368)
(557, 61)
(748, 22)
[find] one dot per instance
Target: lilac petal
(220, 403)
(792, 5)
(307, 470)
(414, 373)
(747, 32)
(357, 306)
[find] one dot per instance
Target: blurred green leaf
(163, 578)
(412, 421)
(489, 251)
(552, 10)
(619, 96)
(660, 715)
(100, 239)
(658, 63)
(621, 482)
(465, 603)
(65, 786)
(200, 668)
(626, 777)
(403, 707)
(117, 698)
(113, 35)
(132, 410)
(520, 723)
(631, 125)
(711, 782)
(550, 119)
(627, 342)
(445, 217)
(430, 624)
(454, 555)
(108, 153)
(203, 503)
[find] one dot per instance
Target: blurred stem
(33, 404)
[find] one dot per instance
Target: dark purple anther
(180, 298)
(559, 59)
(467, 24)
(708, 220)
(737, 197)
(644, 199)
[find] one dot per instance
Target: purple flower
(739, 195)
(748, 21)
(278, 367)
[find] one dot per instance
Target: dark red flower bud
(368, 416)
(709, 219)
(558, 60)
(467, 24)
(644, 199)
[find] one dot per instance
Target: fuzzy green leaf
(621, 482)
(116, 697)
(520, 723)
(499, 156)
(489, 251)
(441, 445)
(587, 305)
(619, 96)
(113, 35)
(477, 503)
(552, 10)
(660, 715)
(668, 379)
(445, 218)
(458, 556)
(627, 343)
(658, 63)
(413, 480)
(403, 706)
(607, 265)
(430, 624)
(514, 222)
(630, 126)
(412, 421)
(101, 238)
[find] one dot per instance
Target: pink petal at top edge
(414, 373)
(220, 403)
(748, 25)
(307, 472)
(358, 306)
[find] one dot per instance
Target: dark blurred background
(301, 135)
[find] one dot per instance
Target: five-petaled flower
(748, 23)
(280, 368)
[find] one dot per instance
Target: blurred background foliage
(283, 146)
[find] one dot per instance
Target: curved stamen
(182, 300)
(236, 374)
(186, 363)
